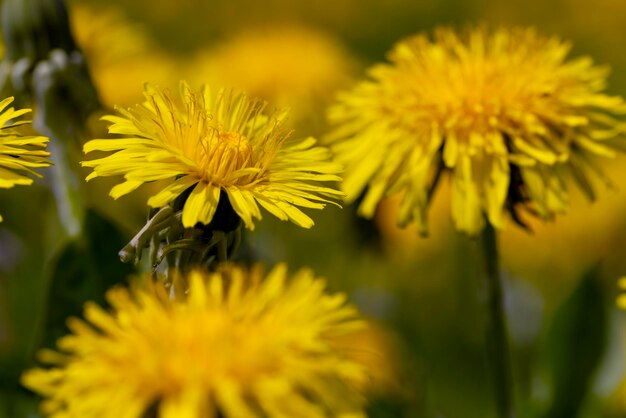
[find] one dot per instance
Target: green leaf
(16, 403)
(83, 271)
(576, 342)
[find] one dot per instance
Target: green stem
(497, 337)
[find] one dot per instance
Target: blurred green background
(425, 294)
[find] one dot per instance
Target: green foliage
(83, 270)
(575, 345)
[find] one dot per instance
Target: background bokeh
(425, 295)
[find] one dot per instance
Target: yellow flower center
(464, 102)
(225, 154)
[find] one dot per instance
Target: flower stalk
(497, 335)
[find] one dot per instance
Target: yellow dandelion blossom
(120, 53)
(621, 300)
(504, 113)
(105, 35)
(215, 143)
(294, 66)
(19, 154)
(235, 345)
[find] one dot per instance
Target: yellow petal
(200, 205)
(171, 192)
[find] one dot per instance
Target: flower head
(504, 113)
(105, 35)
(213, 143)
(120, 53)
(234, 345)
(294, 66)
(621, 300)
(19, 154)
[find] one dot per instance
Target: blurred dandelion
(212, 143)
(120, 53)
(122, 39)
(621, 300)
(19, 153)
(237, 344)
(504, 112)
(288, 65)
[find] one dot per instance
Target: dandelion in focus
(504, 113)
(19, 153)
(237, 344)
(209, 143)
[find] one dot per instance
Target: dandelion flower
(294, 66)
(505, 114)
(105, 35)
(120, 53)
(19, 154)
(621, 300)
(214, 143)
(235, 345)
